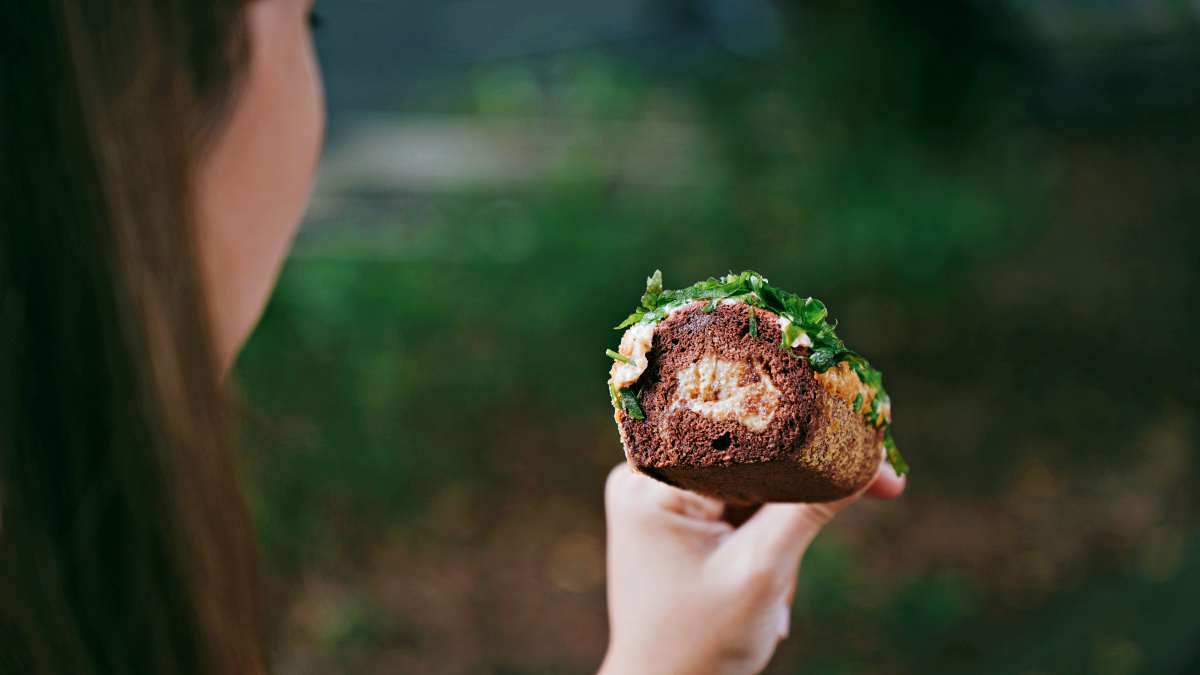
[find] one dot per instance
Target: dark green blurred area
(998, 203)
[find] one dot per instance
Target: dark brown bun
(802, 443)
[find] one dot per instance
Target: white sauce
(721, 390)
(634, 345)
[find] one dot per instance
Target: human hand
(688, 592)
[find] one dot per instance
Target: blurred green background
(997, 200)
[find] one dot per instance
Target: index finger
(887, 484)
(627, 487)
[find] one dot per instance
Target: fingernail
(785, 621)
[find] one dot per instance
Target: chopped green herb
(618, 357)
(629, 404)
(806, 315)
(653, 286)
(771, 296)
(813, 311)
(823, 358)
(630, 320)
(857, 405)
(612, 394)
(893, 454)
(791, 333)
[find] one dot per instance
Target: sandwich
(742, 391)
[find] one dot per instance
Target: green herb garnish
(893, 454)
(618, 357)
(629, 404)
(805, 315)
(823, 358)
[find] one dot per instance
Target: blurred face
(254, 183)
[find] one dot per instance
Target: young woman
(155, 159)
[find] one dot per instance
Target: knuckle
(759, 577)
(754, 574)
(820, 515)
(735, 652)
(665, 498)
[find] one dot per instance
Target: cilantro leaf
(822, 359)
(893, 454)
(771, 296)
(629, 404)
(654, 283)
(813, 312)
(630, 320)
(654, 290)
(755, 280)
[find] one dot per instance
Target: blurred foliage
(426, 387)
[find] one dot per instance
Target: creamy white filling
(635, 344)
(724, 390)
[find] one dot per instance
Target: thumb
(779, 534)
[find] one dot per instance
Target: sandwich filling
(635, 345)
(727, 390)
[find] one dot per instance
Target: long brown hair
(125, 545)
